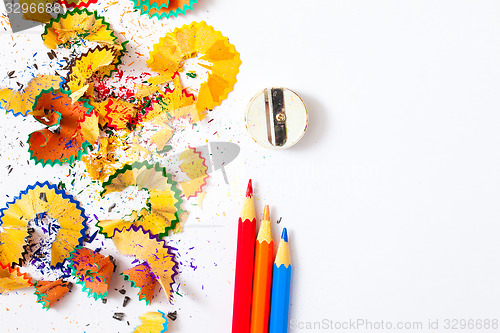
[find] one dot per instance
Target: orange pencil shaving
(244, 265)
(263, 270)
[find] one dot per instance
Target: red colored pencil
(244, 265)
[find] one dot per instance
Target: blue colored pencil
(280, 290)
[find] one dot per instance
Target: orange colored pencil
(244, 265)
(262, 274)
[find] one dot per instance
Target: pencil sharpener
(276, 118)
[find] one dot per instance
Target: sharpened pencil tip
(249, 189)
(284, 235)
(265, 216)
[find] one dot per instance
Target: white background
(391, 197)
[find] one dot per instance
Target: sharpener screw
(281, 117)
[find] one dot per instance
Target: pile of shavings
(116, 137)
(85, 119)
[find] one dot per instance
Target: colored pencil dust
(280, 292)
(244, 265)
(263, 270)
